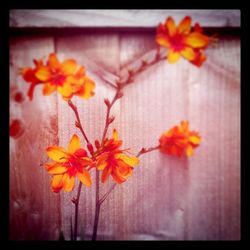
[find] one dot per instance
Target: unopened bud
(144, 62)
(107, 102)
(119, 95)
(111, 119)
(130, 71)
(77, 124)
(97, 144)
(90, 148)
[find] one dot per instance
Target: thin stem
(76, 202)
(109, 106)
(144, 66)
(97, 207)
(78, 122)
(144, 150)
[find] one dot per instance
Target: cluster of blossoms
(107, 156)
(75, 162)
(67, 78)
(182, 40)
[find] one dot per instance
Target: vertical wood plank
(34, 209)
(84, 49)
(214, 109)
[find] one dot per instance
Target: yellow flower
(113, 161)
(67, 165)
(182, 41)
(179, 140)
(67, 78)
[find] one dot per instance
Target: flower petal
(189, 150)
(65, 90)
(43, 74)
(170, 24)
(188, 53)
(68, 182)
(184, 126)
(117, 177)
(57, 154)
(196, 40)
(68, 67)
(130, 160)
(105, 174)
(102, 162)
(115, 135)
(185, 25)
(56, 183)
(195, 139)
(55, 168)
(84, 177)
(53, 62)
(74, 144)
(173, 57)
(48, 88)
(87, 89)
(163, 40)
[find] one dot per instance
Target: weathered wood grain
(166, 198)
(119, 18)
(34, 209)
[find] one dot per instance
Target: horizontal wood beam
(119, 18)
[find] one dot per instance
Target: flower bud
(107, 102)
(111, 119)
(90, 148)
(97, 144)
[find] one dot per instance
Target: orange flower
(179, 140)
(67, 78)
(112, 160)
(182, 41)
(67, 165)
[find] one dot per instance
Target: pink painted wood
(166, 198)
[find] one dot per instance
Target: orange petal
(57, 154)
(87, 89)
(84, 177)
(74, 144)
(68, 67)
(195, 139)
(115, 134)
(189, 150)
(68, 182)
(188, 53)
(117, 176)
(130, 160)
(123, 169)
(185, 25)
(56, 183)
(173, 57)
(43, 74)
(48, 88)
(196, 40)
(28, 75)
(170, 24)
(53, 62)
(162, 40)
(105, 174)
(184, 126)
(55, 168)
(65, 90)
(102, 162)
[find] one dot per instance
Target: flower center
(177, 42)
